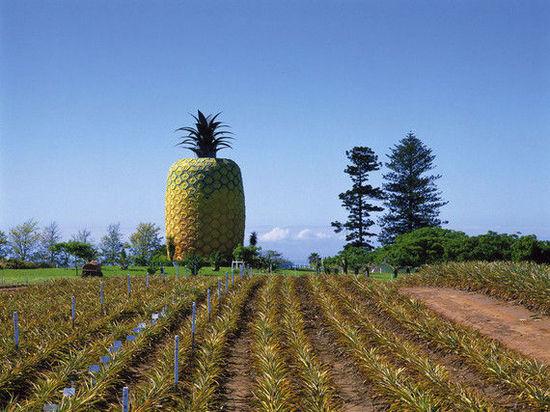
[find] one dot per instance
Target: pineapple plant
(205, 210)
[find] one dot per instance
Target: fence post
(73, 310)
(176, 359)
(125, 399)
(208, 302)
(193, 321)
(219, 291)
(102, 296)
(16, 329)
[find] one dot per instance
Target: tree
(80, 251)
(50, 236)
(529, 248)
(83, 236)
(194, 263)
(331, 265)
(314, 261)
(123, 258)
(215, 260)
(24, 240)
(356, 258)
(4, 245)
(491, 246)
(411, 196)
(144, 243)
(356, 200)
(424, 246)
(272, 260)
(248, 254)
(111, 244)
(253, 240)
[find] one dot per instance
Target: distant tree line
(436, 245)
(28, 245)
(411, 233)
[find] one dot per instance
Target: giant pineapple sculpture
(205, 210)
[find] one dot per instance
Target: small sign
(68, 392)
(94, 369)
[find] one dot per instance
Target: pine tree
(356, 200)
(411, 197)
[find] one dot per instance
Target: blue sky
(91, 92)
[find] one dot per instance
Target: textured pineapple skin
(205, 209)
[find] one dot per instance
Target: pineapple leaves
(207, 137)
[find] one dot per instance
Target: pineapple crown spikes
(207, 137)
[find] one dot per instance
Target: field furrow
(527, 379)
(428, 374)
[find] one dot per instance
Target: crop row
(427, 373)
(69, 362)
(386, 380)
(315, 390)
(528, 379)
(523, 282)
(24, 369)
(272, 387)
(161, 386)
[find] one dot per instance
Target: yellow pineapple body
(205, 209)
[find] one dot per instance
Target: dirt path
(349, 385)
(239, 378)
(513, 325)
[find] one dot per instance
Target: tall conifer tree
(356, 200)
(411, 196)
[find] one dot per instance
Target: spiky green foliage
(389, 381)
(430, 374)
(523, 282)
(527, 378)
(207, 137)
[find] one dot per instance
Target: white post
(16, 329)
(73, 310)
(219, 290)
(176, 359)
(101, 294)
(193, 320)
(125, 399)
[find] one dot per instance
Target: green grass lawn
(10, 277)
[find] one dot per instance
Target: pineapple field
(250, 343)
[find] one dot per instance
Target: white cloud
(308, 234)
(274, 235)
